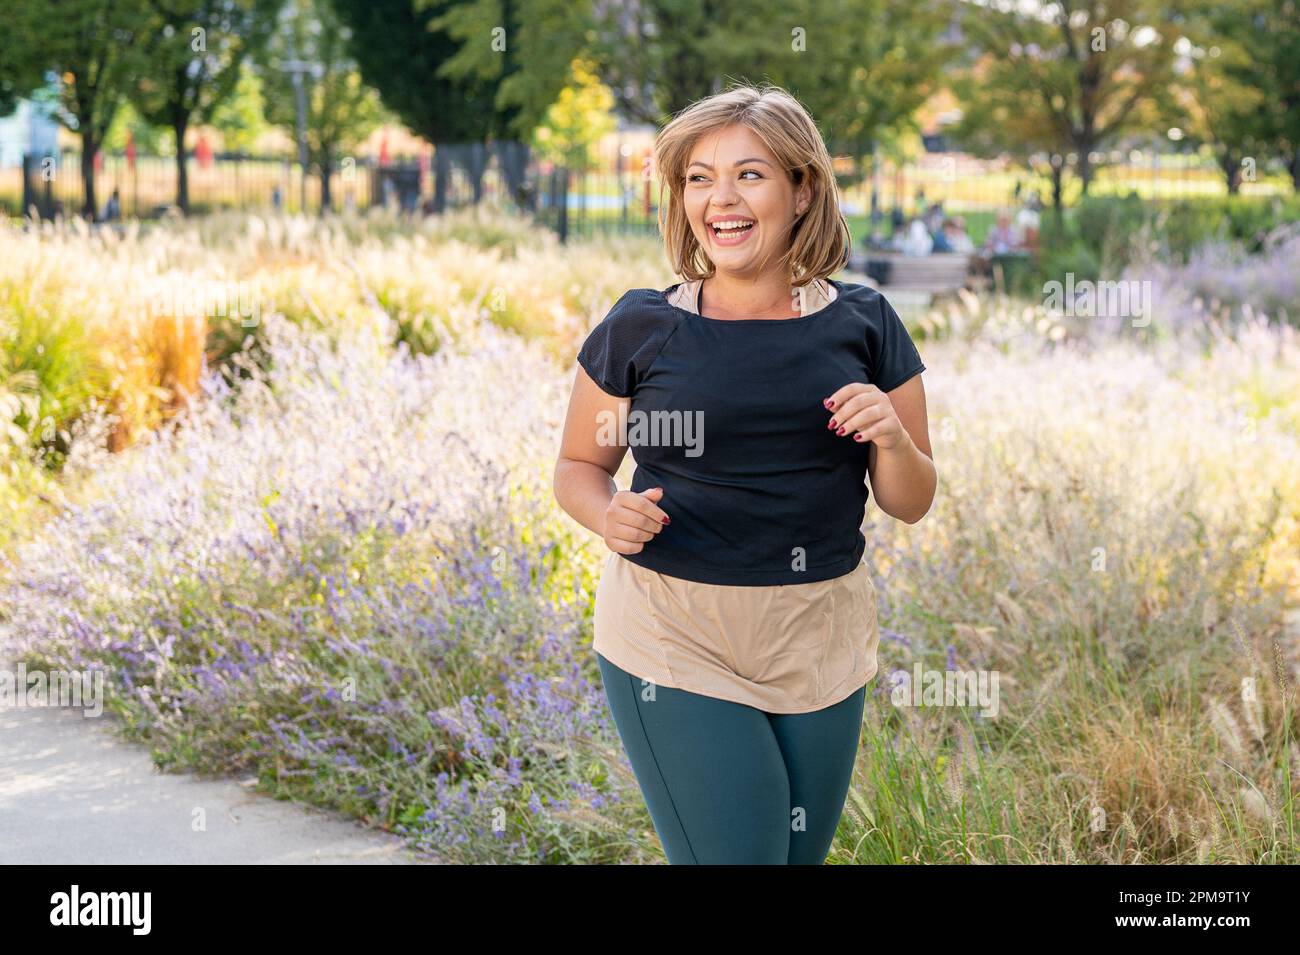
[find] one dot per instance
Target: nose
(724, 194)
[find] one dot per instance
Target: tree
(20, 74)
(1225, 109)
(862, 67)
(241, 117)
(864, 77)
(1072, 77)
(463, 72)
(93, 46)
(401, 56)
(195, 51)
(525, 61)
(149, 138)
(341, 109)
(993, 126)
(1268, 32)
(577, 120)
(661, 55)
(865, 83)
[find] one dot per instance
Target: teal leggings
(729, 784)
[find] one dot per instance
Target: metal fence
(615, 193)
(146, 186)
(964, 182)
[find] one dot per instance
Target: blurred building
(31, 128)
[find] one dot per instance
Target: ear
(803, 199)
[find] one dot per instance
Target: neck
(741, 296)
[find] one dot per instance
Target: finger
(629, 529)
(835, 400)
(875, 431)
(638, 501)
(631, 518)
(866, 418)
(860, 410)
(624, 547)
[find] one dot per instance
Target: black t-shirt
(727, 417)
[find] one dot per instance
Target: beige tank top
(784, 648)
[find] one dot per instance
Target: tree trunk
(88, 149)
(179, 124)
(1231, 167)
(1085, 165)
(1058, 174)
(478, 159)
(512, 157)
(326, 203)
(441, 178)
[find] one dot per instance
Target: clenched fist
(632, 518)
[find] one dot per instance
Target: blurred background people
(955, 237)
(917, 241)
(1002, 238)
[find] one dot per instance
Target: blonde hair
(820, 238)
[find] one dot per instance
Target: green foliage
(1230, 94)
(50, 357)
(1072, 80)
(400, 54)
(149, 138)
(1106, 224)
(862, 84)
(240, 118)
(862, 67)
(341, 109)
(1248, 72)
(1187, 225)
(1103, 234)
(576, 121)
(517, 54)
(94, 46)
(20, 72)
(194, 52)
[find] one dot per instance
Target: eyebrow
(738, 162)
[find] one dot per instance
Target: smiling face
(733, 178)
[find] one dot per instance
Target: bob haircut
(820, 239)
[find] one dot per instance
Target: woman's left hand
(865, 412)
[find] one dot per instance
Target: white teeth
(732, 225)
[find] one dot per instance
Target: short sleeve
(618, 350)
(893, 352)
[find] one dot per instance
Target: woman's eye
(699, 175)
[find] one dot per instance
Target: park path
(73, 792)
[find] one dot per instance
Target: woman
(735, 625)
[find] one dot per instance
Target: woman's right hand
(632, 518)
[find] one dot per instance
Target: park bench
(919, 278)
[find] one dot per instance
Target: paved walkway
(72, 792)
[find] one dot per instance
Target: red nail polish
(840, 431)
(828, 403)
(858, 437)
(832, 424)
(667, 519)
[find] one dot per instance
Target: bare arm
(584, 472)
(903, 477)
(900, 463)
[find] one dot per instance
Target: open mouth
(732, 228)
